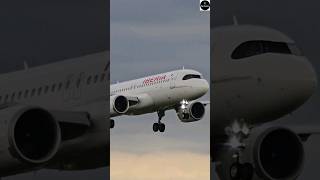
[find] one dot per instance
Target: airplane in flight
(176, 90)
(259, 75)
(54, 116)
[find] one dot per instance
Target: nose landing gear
(159, 126)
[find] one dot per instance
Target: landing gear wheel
(246, 171)
(111, 123)
(155, 127)
(159, 126)
(162, 127)
(234, 171)
(241, 171)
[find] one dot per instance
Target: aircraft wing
(305, 131)
(129, 104)
(205, 103)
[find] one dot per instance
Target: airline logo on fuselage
(154, 79)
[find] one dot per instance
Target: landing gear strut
(159, 126)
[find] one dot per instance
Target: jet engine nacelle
(118, 105)
(190, 112)
(270, 153)
(29, 137)
(278, 153)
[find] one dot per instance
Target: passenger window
(46, 88)
(6, 98)
(59, 86)
(53, 87)
(19, 94)
(78, 82)
(39, 91)
(89, 80)
(33, 91)
(13, 96)
(95, 78)
(68, 84)
(26, 93)
(103, 75)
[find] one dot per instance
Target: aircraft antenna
(182, 67)
(235, 21)
(25, 65)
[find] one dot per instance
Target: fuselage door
(173, 78)
(72, 87)
(68, 88)
(79, 85)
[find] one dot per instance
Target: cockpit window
(295, 49)
(252, 48)
(191, 76)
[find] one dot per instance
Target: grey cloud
(145, 41)
(46, 31)
(152, 12)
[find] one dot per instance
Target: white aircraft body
(172, 90)
(259, 76)
(54, 116)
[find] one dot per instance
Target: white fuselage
(75, 85)
(262, 86)
(165, 90)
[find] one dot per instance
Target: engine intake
(197, 110)
(35, 136)
(270, 153)
(119, 105)
(191, 112)
(279, 154)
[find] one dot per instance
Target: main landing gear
(159, 126)
(241, 171)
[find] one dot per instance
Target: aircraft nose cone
(306, 82)
(204, 87)
(301, 82)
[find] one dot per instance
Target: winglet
(235, 21)
(25, 65)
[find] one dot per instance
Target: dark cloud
(41, 31)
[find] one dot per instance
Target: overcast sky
(42, 31)
(298, 20)
(149, 37)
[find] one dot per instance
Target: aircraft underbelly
(263, 104)
(173, 97)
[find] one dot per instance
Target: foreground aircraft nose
(305, 80)
(294, 82)
(279, 86)
(204, 87)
